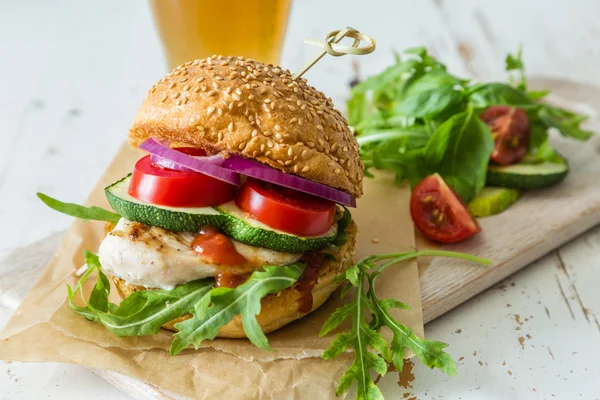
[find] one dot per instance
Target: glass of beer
(192, 29)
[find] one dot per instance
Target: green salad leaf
(142, 312)
(220, 305)
(415, 118)
(75, 210)
(371, 351)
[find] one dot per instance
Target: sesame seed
(293, 120)
(178, 102)
(300, 122)
(304, 153)
(310, 144)
(220, 136)
(185, 100)
(238, 91)
(186, 88)
(251, 97)
(345, 149)
(267, 101)
(270, 144)
(290, 152)
(321, 141)
(319, 127)
(175, 95)
(262, 147)
(288, 162)
(236, 97)
(162, 100)
(241, 146)
(219, 111)
(295, 168)
(228, 90)
(306, 168)
(337, 170)
(211, 93)
(172, 85)
(278, 136)
(254, 133)
(210, 110)
(277, 127)
(230, 106)
(230, 127)
(197, 89)
(267, 133)
(272, 106)
(280, 162)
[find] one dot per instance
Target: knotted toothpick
(330, 46)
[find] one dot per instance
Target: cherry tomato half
(286, 209)
(166, 187)
(439, 213)
(510, 130)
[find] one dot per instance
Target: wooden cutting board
(538, 223)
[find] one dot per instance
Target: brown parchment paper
(43, 329)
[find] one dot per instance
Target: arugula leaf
(141, 313)
(371, 351)
(226, 303)
(567, 123)
(361, 337)
(75, 210)
(430, 352)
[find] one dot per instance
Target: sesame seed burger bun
(240, 106)
(281, 308)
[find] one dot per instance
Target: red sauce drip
(230, 280)
(217, 247)
(307, 281)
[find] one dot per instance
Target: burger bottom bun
(281, 308)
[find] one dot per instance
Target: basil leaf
(75, 210)
(429, 103)
(226, 303)
(515, 63)
(496, 93)
(430, 81)
(567, 123)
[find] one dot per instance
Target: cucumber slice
(493, 200)
(227, 218)
(527, 176)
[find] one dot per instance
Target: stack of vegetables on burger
(469, 149)
(235, 222)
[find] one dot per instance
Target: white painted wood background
(72, 74)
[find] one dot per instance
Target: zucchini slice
(228, 218)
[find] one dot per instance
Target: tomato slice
(166, 187)
(286, 209)
(510, 130)
(439, 213)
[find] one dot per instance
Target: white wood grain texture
(73, 74)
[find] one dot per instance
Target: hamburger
(248, 176)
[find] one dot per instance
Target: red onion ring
(262, 172)
(203, 165)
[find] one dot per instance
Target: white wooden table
(72, 74)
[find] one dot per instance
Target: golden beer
(192, 29)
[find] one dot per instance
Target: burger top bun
(240, 106)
